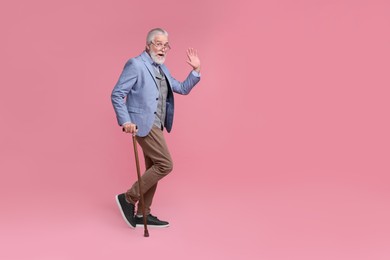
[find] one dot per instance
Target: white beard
(157, 59)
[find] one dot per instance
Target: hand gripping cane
(146, 232)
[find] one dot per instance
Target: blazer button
(156, 98)
(155, 112)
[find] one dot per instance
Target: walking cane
(146, 232)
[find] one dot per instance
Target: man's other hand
(130, 128)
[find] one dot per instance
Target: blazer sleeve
(186, 86)
(122, 88)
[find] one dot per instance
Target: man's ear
(147, 47)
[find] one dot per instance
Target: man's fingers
(130, 129)
(190, 52)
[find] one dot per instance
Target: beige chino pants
(158, 164)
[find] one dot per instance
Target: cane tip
(146, 233)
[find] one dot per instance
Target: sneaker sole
(152, 226)
(122, 213)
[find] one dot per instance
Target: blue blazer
(134, 96)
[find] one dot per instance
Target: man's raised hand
(193, 59)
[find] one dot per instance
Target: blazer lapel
(166, 73)
(149, 67)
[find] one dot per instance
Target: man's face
(158, 48)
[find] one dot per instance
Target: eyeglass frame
(162, 46)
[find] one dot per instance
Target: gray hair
(152, 33)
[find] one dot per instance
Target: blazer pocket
(135, 110)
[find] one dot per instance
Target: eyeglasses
(161, 46)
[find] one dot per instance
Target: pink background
(281, 152)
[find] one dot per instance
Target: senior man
(143, 103)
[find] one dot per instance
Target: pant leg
(156, 150)
(148, 195)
